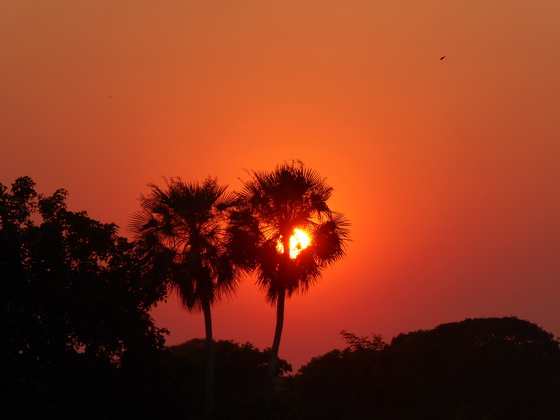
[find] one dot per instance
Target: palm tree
(182, 228)
(271, 206)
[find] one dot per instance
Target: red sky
(448, 169)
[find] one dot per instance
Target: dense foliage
(495, 368)
(239, 379)
(74, 324)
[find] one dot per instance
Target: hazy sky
(448, 169)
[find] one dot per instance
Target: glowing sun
(298, 242)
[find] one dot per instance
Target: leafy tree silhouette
(182, 230)
(239, 369)
(270, 206)
(363, 343)
(499, 368)
(74, 321)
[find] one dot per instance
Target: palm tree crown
(270, 206)
(182, 226)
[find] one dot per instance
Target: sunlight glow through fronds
(298, 242)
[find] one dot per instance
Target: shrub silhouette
(239, 378)
(502, 368)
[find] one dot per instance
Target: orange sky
(448, 169)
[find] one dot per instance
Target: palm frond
(269, 207)
(188, 220)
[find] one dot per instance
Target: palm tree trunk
(209, 385)
(269, 384)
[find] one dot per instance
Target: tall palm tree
(271, 206)
(182, 228)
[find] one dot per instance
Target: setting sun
(298, 242)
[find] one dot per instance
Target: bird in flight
(441, 58)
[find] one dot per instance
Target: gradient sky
(448, 169)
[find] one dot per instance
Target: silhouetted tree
(271, 205)
(499, 368)
(239, 369)
(76, 338)
(182, 228)
(363, 343)
(478, 368)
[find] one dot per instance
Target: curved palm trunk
(269, 384)
(209, 385)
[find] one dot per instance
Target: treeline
(488, 368)
(77, 340)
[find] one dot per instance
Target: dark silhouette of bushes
(76, 338)
(495, 368)
(240, 371)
